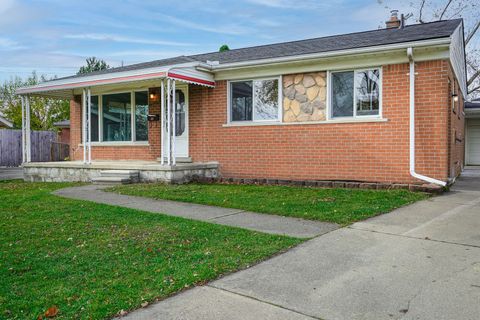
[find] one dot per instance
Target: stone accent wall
(304, 97)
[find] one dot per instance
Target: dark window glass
(241, 101)
(117, 117)
(342, 94)
(179, 113)
(94, 115)
(141, 112)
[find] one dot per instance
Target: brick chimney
(393, 22)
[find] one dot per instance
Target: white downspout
(412, 124)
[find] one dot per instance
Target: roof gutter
(412, 124)
(296, 58)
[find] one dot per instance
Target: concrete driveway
(418, 262)
(11, 173)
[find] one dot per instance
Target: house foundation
(148, 171)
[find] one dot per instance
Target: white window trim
(280, 101)
(133, 141)
(355, 116)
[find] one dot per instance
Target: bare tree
(434, 10)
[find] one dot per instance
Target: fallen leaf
(51, 312)
(144, 304)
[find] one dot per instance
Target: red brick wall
(375, 151)
(370, 151)
(64, 135)
(456, 134)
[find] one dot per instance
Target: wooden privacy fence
(44, 147)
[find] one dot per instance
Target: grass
(343, 206)
(92, 260)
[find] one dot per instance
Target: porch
(148, 171)
(123, 120)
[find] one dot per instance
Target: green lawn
(92, 260)
(342, 206)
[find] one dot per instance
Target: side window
(254, 100)
(355, 93)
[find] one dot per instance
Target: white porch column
(28, 141)
(24, 158)
(84, 125)
(89, 115)
(169, 125)
(162, 122)
(174, 123)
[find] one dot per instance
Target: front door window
(180, 110)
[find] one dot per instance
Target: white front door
(473, 142)
(181, 122)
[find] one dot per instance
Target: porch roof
(191, 72)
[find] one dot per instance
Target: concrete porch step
(120, 173)
(178, 159)
(116, 177)
(111, 180)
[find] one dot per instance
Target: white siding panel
(457, 58)
(473, 142)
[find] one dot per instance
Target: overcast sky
(54, 37)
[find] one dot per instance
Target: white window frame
(132, 120)
(355, 116)
(280, 100)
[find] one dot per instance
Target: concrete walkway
(231, 217)
(418, 262)
(11, 173)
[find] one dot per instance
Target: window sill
(119, 144)
(254, 124)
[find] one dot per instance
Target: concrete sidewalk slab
(453, 217)
(273, 224)
(11, 173)
(193, 304)
(354, 274)
(294, 227)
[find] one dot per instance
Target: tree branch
(473, 89)
(421, 11)
(474, 30)
(473, 77)
(445, 9)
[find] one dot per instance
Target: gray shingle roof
(416, 32)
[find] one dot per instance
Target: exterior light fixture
(152, 96)
(455, 97)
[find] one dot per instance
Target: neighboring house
(4, 123)
(472, 135)
(331, 108)
(64, 131)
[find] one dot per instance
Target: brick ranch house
(382, 106)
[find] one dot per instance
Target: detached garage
(472, 147)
